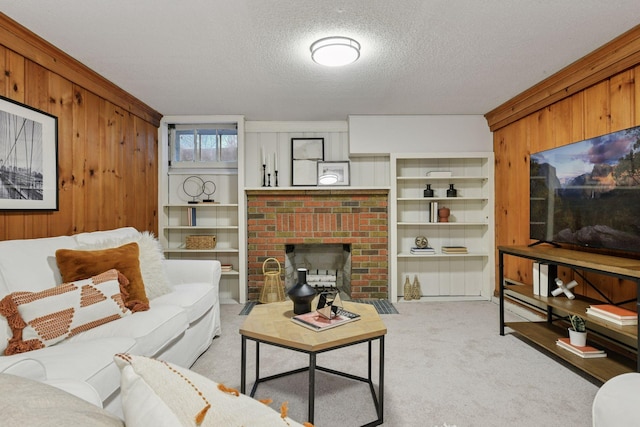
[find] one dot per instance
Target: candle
(275, 161)
(264, 161)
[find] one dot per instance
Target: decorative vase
(415, 288)
(302, 293)
(408, 291)
(428, 192)
(443, 214)
(579, 339)
(452, 192)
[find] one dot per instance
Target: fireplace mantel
(315, 191)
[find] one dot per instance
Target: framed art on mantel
(305, 154)
(28, 158)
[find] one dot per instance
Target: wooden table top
(272, 323)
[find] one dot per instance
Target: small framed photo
(29, 159)
(305, 154)
(333, 173)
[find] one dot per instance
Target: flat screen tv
(588, 193)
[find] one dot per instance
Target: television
(588, 193)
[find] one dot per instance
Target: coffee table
(271, 324)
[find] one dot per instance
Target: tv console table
(620, 359)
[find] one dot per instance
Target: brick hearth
(356, 217)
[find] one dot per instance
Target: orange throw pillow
(78, 265)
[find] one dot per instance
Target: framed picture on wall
(28, 158)
(333, 173)
(305, 154)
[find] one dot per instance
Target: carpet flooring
(445, 364)
(382, 306)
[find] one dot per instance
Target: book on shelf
(614, 311)
(540, 279)
(618, 315)
(191, 213)
(454, 250)
(317, 322)
(586, 352)
(439, 174)
(226, 267)
(423, 251)
(433, 212)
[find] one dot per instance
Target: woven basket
(201, 242)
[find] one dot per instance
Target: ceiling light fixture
(335, 51)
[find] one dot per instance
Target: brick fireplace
(355, 217)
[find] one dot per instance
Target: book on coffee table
(317, 322)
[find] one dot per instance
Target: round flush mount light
(335, 51)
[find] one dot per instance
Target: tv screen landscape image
(588, 193)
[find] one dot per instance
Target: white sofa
(178, 327)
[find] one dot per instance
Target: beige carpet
(445, 364)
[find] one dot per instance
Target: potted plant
(578, 331)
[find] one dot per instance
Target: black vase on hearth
(302, 293)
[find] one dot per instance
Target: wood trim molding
(614, 57)
(22, 41)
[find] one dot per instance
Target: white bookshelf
(471, 224)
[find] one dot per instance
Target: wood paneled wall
(597, 95)
(107, 141)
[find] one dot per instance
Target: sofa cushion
(76, 265)
(31, 403)
(152, 330)
(30, 264)
(151, 256)
(40, 319)
(195, 298)
(162, 394)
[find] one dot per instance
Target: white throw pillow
(160, 394)
(154, 277)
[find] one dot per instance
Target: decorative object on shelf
(273, 289)
(422, 242)
(264, 175)
(416, 292)
(443, 214)
(208, 188)
(428, 192)
(193, 186)
(302, 293)
(408, 291)
(566, 289)
(305, 154)
(329, 303)
(333, 173)
(578, 331)
(452, 192)
(201, 242)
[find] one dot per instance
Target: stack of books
(433, 212)
(318, 322)
(423, 251)
(586, 352)
(226, 268)
(454, 250)
(612, 313)
(191, 217)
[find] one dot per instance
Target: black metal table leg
(243, 368)
(381, 381)
(501, 286)
(312, 385)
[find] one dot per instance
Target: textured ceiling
(252, 57)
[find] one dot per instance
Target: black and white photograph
(28, 158)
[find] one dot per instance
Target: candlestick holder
(264, 176)
(268, 180)
(276, 178)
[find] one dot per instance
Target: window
(200, 146)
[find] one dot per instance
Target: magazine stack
(613, 313)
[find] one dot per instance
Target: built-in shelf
(450, 276)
